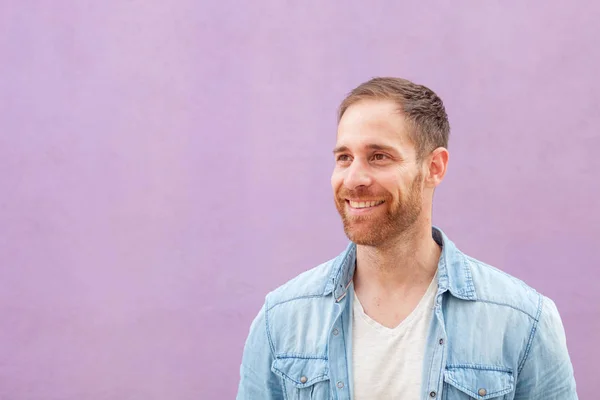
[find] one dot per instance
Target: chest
(381, 355)
(391, 310)
(459, 359)
(387, 312)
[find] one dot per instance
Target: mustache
(360, 193)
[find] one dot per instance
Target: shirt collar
(454, 273)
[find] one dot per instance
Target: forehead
(373, 122)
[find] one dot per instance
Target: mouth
(362, 205)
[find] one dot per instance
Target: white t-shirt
(388, 362)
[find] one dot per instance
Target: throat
(397, 267)
(391, 308)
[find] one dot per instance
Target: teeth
(364, 204)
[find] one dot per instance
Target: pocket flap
(480, 381)
(302, 372)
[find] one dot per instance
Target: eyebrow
(342, 149)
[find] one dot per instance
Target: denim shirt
(491, 337)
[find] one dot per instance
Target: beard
(375, 230)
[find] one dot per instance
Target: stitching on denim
(473, 394)
(307, 383)
(533, 331)
(512, 278)
(330, 266)
(482, 264)
(431, 367)
(444, 269)
(285, 397)
(300, 356)
(340, 268)
(497, 368)
(271, 345)
(470, 287)
(312, 296)
(270, 339)
(345, 354)
(507, 305)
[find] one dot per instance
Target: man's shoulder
(493, 285)
(308, 284)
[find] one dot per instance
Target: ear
(436, 164)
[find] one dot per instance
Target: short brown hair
(422, 108)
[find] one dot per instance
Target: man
(402, 313)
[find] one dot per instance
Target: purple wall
(165, 164)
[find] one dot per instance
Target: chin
(366, 241)
(363, 237)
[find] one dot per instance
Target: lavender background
(165, 164)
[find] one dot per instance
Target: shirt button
(432, 394)
(441, 341)
(303, 379)
(336, 332)
(482, 392)
(340, 385)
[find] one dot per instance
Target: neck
(404, 261)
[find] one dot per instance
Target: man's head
(391, 153)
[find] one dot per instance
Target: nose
(357, 175)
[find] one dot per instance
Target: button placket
(438, 353)
(338, 371)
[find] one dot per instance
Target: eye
(380, 157)
(343, 158)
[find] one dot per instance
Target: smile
(364, 204)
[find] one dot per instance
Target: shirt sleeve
(546, 372)
(257, 381)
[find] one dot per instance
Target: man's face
(377, 184)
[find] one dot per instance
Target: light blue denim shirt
(491, 337)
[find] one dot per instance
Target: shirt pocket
(481, 382)
(303, 378)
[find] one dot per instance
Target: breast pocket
(481, 382)
(303, 378)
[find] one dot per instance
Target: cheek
(391, 184)
(336, 180)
